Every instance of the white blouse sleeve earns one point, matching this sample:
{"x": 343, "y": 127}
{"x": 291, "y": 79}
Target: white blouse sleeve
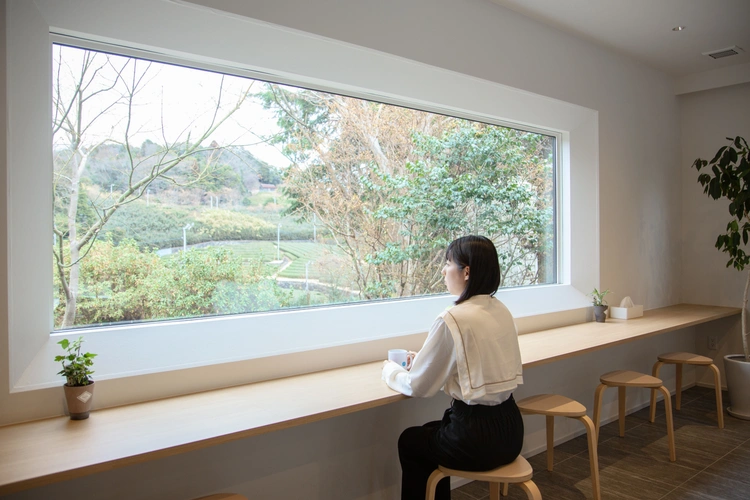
{"x": 431, "y": 368}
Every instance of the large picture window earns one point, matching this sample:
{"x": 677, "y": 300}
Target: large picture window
{"x": 181, "y": 192}
{"x": 158, "y": 268}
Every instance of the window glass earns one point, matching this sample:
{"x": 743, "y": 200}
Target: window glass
{"x": 180, "y": 193}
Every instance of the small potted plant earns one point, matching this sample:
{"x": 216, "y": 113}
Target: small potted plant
{"x": 79, "y": 386}
{"x": 600, "y": 305}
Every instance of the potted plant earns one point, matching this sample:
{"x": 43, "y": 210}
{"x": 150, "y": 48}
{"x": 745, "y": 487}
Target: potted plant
{"x": 79, "y": 386}
{"x": 729, "y": 177}
{"x": 600, "y": 305}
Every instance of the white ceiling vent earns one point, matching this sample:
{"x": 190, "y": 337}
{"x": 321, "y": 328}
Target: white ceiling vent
{"x": 729, "y": 51}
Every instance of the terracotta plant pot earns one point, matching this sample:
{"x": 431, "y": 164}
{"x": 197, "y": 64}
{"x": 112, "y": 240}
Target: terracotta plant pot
{"x": 600, "y": 313}
{"x": 79, "y": 400}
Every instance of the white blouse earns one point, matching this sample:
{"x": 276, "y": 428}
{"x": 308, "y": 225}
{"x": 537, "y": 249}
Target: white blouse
{"x": 482, "y": 322}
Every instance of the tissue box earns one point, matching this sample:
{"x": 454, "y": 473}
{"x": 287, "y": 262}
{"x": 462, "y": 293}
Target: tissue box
{"x": 625, "y": 312}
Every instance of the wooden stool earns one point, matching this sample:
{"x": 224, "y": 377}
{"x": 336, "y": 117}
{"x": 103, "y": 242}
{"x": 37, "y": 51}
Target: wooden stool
{"x": 519, "y": 472}
{"x": 623, "y": 379}
{"x": 553, "y": 405}
{"x": 223, "y": 496}
{"x": 686, "y": 358}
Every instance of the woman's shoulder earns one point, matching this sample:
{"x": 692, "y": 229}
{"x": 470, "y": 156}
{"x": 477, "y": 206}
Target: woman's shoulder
{"x": 481, "y": 304}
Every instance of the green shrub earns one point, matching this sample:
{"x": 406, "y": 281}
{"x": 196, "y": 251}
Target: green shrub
{"x": 152, "y": 225}
{"x": 124, "y": 283}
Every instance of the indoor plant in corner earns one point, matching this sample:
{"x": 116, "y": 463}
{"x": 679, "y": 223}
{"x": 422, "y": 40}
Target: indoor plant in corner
{"x": 600, "y": 307}
{"x": 79, "y": 387}
{"x": 729, "y": 178}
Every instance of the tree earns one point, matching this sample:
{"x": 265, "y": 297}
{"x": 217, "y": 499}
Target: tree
{"x": 730, "y": 179}
{"x": 393, "y": 186}
{"x": 90, "y": 88}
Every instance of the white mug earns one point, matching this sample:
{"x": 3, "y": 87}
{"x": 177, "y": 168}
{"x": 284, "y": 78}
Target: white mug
{"x": 400, "y": 357}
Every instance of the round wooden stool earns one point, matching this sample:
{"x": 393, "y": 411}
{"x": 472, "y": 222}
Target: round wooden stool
{"x": 554, "y": 405}
{"x": 518, "y": 472}
{"x": 223, "y": 496}
{"x": 686, "y": 358}
{"x": 623, "y": 379}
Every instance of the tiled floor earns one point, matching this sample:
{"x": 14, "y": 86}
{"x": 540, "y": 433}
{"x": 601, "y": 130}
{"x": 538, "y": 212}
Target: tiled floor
{"x": 711, "y": 463}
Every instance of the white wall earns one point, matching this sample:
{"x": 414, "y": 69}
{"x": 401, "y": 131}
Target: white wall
{"x": 707, "y": 118}
{"x": 354, "y": 456}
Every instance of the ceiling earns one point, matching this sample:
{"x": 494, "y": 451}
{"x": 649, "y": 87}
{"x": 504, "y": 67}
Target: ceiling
{"x": 642, "y": 29}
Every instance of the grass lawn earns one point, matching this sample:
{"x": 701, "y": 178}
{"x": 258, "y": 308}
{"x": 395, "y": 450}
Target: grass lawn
{"x": 263, "y": 250}
{"x": 299, "y": 252}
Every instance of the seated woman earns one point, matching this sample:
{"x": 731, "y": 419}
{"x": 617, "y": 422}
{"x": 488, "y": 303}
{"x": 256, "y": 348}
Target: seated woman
{"x": 472, "y": 353}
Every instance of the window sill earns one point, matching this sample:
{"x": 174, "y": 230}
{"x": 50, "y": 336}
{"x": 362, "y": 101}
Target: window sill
{"x": 47, "y": 451}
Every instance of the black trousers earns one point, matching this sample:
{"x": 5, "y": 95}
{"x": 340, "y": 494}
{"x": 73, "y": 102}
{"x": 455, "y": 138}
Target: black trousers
{"x": 469, "y": 437}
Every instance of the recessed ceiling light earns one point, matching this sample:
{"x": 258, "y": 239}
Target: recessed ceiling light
{"x": 678, "y": 28}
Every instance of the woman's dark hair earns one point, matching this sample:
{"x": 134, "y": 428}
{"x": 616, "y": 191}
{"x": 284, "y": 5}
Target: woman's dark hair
{"x": 480, "y": 255}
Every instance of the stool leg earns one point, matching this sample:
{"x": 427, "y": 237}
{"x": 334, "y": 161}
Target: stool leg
{"x": 598, "y": 407}
{"x": 494, "y": 491}
{"x": 593, "y": 455}
{"x": 550, "y": 442}
{"x": 670, "y": 425}
{"x": 717, "y": 388}
{"x": 678, "y": 384}
{"x": 621, "y": 409}
{"x": 432, "y": 483}
{"x": 505, "y": 489}
{"x": 655, "y": 373}
{"x": 531, "y": 490}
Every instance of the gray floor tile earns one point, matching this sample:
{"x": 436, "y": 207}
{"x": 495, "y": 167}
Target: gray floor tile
{"x": 477, "y": 489}
{"x": 633, "y": 461}
{"x": 710, "y": 487}
{"x": 458, "y": 494}
{"x": 735, "y": 465}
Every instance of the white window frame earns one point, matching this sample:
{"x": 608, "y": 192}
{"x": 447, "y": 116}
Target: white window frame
{"x": 245, "y": 348}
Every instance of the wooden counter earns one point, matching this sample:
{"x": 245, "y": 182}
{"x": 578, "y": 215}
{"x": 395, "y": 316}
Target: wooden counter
{"x": 57, "y": 449}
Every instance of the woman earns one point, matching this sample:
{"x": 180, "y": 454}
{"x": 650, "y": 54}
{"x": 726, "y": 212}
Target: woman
{"x": 472, "y": 353}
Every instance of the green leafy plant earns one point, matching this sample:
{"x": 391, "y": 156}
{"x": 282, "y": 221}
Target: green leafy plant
{"x": 599, "y": 297}
{"x": 730, "y": 179}
{"x": 76, "y": 366}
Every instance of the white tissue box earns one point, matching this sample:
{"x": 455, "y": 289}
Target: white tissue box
{"x": 625, "y": 312}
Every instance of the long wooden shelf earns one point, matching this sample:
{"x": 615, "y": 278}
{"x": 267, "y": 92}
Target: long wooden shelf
{"x": 56, "y": 449}
{"x": 559, "y": 343}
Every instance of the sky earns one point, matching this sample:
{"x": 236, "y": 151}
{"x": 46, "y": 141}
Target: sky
{"x": 172, "y": 101}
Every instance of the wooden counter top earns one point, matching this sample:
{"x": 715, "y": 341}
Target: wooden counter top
{"x": 57, "y": 449}
{"x": 559, "y": 343}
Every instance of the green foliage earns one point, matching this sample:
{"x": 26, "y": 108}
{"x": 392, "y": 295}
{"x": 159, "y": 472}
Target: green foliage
{"x": 219, "y": 225}
{"x": 125, "y": 283}
{"x": 729, "y": 178}
{"x": 298, "y": 110}
{"x": 469, "y": 181}
{"x": 599, "y": 297}
{"x": 76, "y": 367}
{"x": 152, "y": 225}
{"x": 113, "y": 281}
{"x": 268, "y": 174}
{"x": 218, "y": 177}
{"x": 160, "y": 226}
{"x": 394, "y": 186}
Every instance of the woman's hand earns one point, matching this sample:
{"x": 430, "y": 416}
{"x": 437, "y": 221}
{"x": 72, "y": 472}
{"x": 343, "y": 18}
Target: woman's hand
{"x": 410, "y": 359}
